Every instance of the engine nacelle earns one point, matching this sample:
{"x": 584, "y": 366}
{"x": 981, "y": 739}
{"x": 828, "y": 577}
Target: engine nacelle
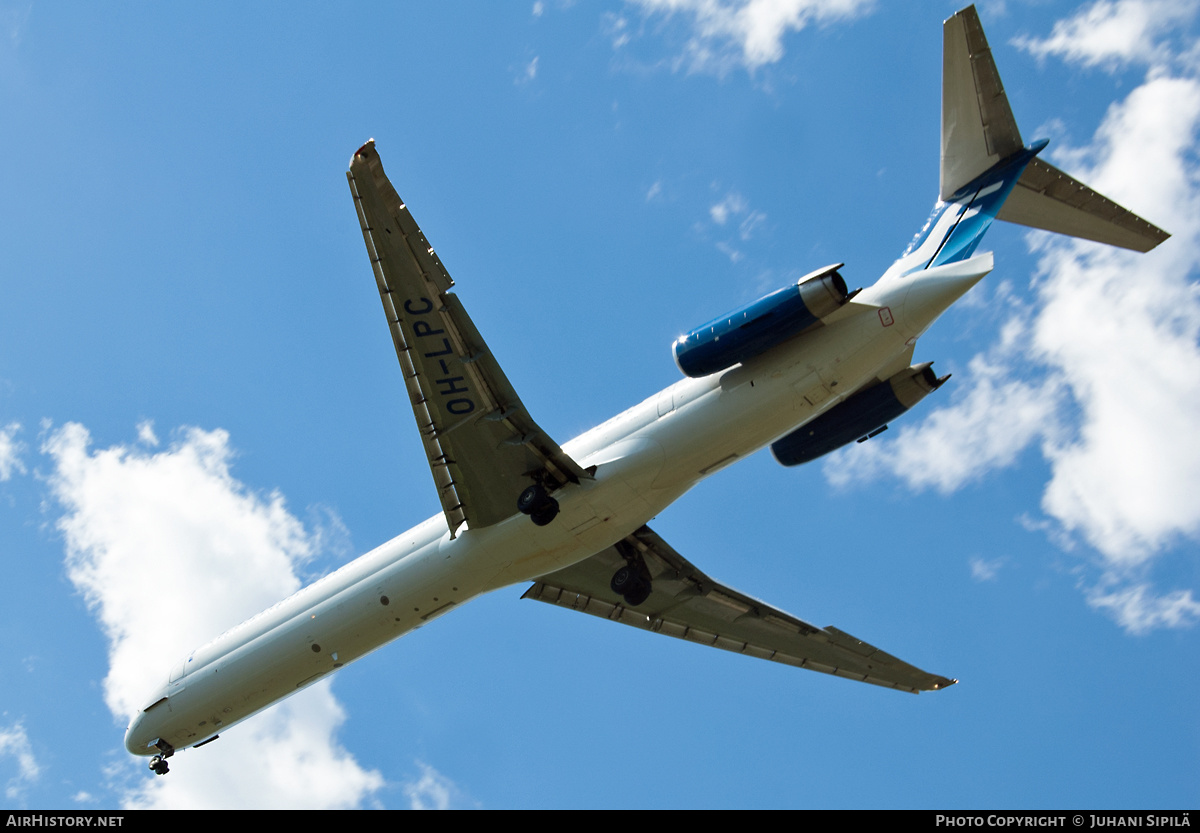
{"x": 863, "y": 415}
{"x": 759, "y": 326}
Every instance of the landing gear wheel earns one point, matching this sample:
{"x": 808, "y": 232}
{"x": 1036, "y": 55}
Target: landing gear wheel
{"x": 546, "y": 514}
{"x": 639, "y": 594}
{"x": 627, "y": 583}
{"x": 531, "y": 499}
{"x": 158, "y": 765}
{"x": 539, "y": 506}
{"x": 622, "y": 580}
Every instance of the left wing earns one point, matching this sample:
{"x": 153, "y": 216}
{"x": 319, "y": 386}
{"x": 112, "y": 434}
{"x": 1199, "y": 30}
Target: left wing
{"x": 687, "y": 604}
{"x": 482, "y": 445}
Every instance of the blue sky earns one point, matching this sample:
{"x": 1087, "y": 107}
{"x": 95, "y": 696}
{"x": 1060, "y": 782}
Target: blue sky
{"x": 200, "y": 407}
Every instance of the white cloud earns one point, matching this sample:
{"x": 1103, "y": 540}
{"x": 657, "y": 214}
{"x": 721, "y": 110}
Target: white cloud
{"x": 730, "y": 205}
{"x": 146, "y": 434}
{"x": 434, "y": 791}
{"x": 169, "y": 549}
{"x": 983, "y": 569}
{"x": 725, "y": 33}
{"x": 10, "y": 450}
{"x": 529, "y": 73}
{"x": 749, "y": 223}
{"x": 733, "y": 254}
{"x": 1105, "y": 375}
{"x": 617, "y": 28}
{"x": 1113, "y": 33}
{"x": 733, "y": 206}
{"x": 983, "y": 429}
{"x": 1139, "y": 610}
{"x": 14, "y": 742}
{"x": 1123, "y": 331}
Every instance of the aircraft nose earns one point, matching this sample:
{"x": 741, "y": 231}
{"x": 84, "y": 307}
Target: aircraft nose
{"x": 132, "y": 733}
{"x": 139, "y": 735}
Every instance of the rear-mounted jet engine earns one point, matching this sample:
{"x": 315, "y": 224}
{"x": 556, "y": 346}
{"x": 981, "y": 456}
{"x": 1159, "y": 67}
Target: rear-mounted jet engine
{"x": 861, "y": 416}
{"x": 759, "y": 326}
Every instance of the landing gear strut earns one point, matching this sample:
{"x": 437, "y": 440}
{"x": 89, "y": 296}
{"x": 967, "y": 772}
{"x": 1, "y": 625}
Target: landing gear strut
{"x": 158, "y": 764}
{"x": 539, "y": 506}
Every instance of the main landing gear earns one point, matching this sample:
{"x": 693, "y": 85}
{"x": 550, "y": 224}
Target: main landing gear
{"x": 631, "y": 582}
{"x": 158, "y": 764}
{"x": 627, "y": 583}
{"x": 538, "y": 505}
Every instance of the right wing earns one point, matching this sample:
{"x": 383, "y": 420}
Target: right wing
{"x": 687, "y": 604}
{"x": 483, "y": 447}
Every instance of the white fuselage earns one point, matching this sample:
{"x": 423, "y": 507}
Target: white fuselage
{"x": 645, "y": 459}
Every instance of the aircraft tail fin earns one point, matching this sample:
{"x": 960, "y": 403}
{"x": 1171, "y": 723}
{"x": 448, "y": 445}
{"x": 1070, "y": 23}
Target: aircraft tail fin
{"x": 978, "y": 128}
{"x": 980, "y": 134}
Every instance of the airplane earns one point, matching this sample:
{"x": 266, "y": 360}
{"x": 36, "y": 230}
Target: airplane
{"x": 804, "y": 370}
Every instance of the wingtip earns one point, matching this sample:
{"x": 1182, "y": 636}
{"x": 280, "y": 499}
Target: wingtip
{"x": 963, "y": 12}
{"x": 364, "y": 151}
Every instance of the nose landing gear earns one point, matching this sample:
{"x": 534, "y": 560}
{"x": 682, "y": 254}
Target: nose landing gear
{"x": 158, "y": 764}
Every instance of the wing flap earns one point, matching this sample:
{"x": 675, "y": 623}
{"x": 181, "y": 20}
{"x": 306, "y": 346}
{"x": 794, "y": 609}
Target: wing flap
{"x": 687, "y": 604}
{"x": 482, "y": 446}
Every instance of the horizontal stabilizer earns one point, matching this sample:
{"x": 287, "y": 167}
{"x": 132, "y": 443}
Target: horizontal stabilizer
{"x": 1046, "y": 198}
